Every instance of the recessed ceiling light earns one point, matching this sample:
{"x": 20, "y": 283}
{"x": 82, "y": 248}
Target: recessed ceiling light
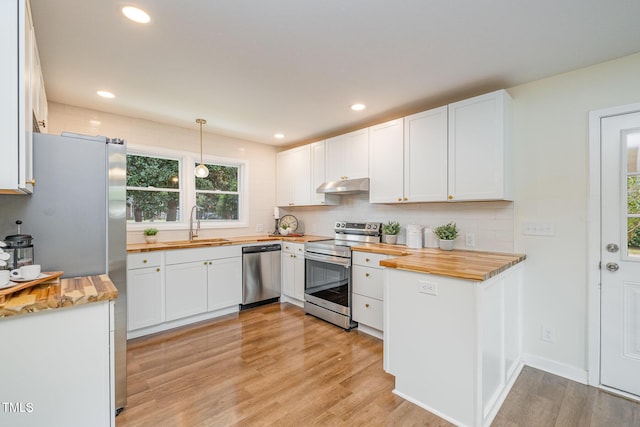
{"x": 278, "y": 135}
{"x": 136, "y": 15}
{"x": 105, "y": 94}
{"x": 358, "y": 107}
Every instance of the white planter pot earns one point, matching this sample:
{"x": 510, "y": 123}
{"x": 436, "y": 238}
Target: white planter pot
{"x": 391, "y": 239}
{"x": 446, "y": 245}
{"x": 151, "y": 239}
{"x": 284, "y": 232}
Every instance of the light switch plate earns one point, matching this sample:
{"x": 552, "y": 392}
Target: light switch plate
{"x": 538, "y": 229}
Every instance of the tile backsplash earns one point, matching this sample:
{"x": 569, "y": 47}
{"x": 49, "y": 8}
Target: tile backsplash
{"x": 492, "y": 223}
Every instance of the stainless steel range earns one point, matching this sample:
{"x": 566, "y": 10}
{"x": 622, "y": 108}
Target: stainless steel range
{"x": 327, "y": 289}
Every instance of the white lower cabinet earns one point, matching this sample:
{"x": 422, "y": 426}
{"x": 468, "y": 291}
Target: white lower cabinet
{"x": 186, "y": 289}
{"x": 293, "y": 272}
{"x": 454, "y": 345}
{"x": 172, "y": 288}
{"x": 367, "y": 292}
{"x": 145, "y": 290}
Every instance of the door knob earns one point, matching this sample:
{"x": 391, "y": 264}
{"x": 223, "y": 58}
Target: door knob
{"x": 612, "y": 266}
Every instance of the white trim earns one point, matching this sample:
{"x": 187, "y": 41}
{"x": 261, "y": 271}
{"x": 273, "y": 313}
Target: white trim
{"x": 556, "y": 368}
{"x": 620, "y": 393}
{"x": 187, "y": 161}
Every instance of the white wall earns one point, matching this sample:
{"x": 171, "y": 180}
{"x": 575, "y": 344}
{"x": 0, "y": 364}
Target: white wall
{"x": 261, "y": 158}
{"x": 551, "y": 149}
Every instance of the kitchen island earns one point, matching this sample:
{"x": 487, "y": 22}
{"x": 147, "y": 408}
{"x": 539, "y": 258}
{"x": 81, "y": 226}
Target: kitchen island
{"x": 453, "y": 330}
{"x": 57, "y": 355}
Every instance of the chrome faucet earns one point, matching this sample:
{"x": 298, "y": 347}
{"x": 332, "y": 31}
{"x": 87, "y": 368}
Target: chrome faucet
{"x": 193, "y": 235}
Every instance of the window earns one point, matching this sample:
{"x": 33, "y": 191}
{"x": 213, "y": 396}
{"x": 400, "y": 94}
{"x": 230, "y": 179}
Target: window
{"x": 218, "y": 194}
{"x": 153, "y": 189}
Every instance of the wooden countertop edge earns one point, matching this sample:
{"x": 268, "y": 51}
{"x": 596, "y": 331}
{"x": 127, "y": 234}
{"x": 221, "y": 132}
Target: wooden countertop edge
{"x": 423, "y": 260}
{"x": 67, "y": 292}
{"x": 163, "y": 246}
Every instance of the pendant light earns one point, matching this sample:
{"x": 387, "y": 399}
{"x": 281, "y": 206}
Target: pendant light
{"x": 201, "y": 170}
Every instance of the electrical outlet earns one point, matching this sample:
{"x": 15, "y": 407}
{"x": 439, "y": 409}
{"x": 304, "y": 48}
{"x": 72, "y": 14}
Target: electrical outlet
{"x": 259, "y": 228}
{"x": 470, "y": 240}
{"x": 548, "y": 334}
{"x": 427, "y": 288}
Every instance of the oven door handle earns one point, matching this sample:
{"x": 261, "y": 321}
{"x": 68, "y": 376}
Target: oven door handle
{"x": 346, "y": 263}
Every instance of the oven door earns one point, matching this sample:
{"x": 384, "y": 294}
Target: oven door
{"x": 328, "y": 282}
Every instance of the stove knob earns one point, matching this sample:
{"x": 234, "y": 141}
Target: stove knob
{"x": 368, "y": 226}
{"x": 374, "y": 226}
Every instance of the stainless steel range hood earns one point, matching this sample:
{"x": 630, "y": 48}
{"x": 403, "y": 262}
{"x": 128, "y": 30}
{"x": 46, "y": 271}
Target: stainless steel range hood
{"x": 345, "y": 187}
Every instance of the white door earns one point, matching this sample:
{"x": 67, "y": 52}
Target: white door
{"x": 620, "y": 253}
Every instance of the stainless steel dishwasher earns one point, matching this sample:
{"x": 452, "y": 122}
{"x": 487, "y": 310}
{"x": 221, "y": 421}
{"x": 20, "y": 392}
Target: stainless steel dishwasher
{"x": 260, "y": 275}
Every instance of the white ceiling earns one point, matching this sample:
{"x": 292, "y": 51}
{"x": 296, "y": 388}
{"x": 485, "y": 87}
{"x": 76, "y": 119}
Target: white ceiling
{"x": 256, "y": 67}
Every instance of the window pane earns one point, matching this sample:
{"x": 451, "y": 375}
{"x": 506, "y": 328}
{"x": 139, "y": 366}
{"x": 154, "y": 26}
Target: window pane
{"x": 633, "y": 154}
{"x": 633, "y": 236}
{"x": 217, "y": 206}
{"x": 221, "y": 178}
{"x": 158, "y": 206}
{"x": 633, "y": 195}
{"x": 143, "y": 171}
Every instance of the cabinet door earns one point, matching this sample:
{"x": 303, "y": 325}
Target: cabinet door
{"x": 293, "y": 177}
{"x": 301, "y": 180}
{"x": 284, "y": 178}
{"x": 298, "y": 268}
{"x": 386, "y": 160}
{"x": 348, "y": 156}
{"x": 225, "y": 283}
{"x": 288, "y": 274}
{"x": 425, "y": 156}
{"x": 144, "y": 298}
{"x": 477, "y": 147}
{"x": 186, "y": 289}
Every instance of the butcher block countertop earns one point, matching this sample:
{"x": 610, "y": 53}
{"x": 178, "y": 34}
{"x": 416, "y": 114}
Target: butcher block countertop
{"x": 199, "y": 243}
{"x": 59, "y": 293}
{"x": 470, "y": 265}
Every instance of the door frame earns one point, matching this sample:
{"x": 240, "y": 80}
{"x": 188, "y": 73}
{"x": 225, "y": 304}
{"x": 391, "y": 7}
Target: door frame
{"x": 594, "y": 219}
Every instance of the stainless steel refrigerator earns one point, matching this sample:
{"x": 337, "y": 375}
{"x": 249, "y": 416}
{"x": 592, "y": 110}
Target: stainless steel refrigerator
{"x": 76, "y": 216}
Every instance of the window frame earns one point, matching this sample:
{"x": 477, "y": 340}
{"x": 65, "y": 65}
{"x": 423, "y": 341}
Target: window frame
{"x": 187, "y": 190}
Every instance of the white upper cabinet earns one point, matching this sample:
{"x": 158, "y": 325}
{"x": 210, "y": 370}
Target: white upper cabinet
{"x": 386, "y": 162}
{"x": 348, "y": 156}
{"x": 19, "y": 84}
{"x": 319, "y": 176}
{"x": 425, "y": 156}
{"x": 293, "y": 177}
{"x": 457, "y": 152}
{"x": 479, "y": 148}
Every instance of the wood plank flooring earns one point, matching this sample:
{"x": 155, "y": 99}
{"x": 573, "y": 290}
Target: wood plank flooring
{"x": 275, "y": 366}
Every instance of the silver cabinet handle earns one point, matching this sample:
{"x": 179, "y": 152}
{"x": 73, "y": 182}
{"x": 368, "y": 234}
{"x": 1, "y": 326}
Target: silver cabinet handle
{"x": 612, "y": 266}
{"x": 612, "y": 247}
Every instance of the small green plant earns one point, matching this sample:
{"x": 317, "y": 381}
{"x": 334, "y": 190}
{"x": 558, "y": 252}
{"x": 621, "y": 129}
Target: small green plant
{"x": 391, "y": 228}
{"x": 447, "y": 231}
{"x": 284, "y": 226}
{"x": 150, "y": 231}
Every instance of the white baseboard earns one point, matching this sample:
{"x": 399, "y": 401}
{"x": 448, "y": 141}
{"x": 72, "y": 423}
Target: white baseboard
{"x": 557, "y": 368}
{"x": 428, "y": 408}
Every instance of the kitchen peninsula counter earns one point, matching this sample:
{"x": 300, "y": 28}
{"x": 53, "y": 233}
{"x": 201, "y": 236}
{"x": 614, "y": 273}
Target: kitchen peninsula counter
{"x": 59, "y": 293}
{"x": 196, "y": 243}
{"x": 470, "y": 265}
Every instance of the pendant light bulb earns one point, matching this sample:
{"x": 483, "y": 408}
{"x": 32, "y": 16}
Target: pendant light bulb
{"x": 201, "y": 170}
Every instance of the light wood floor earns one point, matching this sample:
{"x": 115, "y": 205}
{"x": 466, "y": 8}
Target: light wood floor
{"x": 275, "y": 366}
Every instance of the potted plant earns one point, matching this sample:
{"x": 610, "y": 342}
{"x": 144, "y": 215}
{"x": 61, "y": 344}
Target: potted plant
{"x": 150, "y": 235}
{"x": 284, "y": 229}
{"x": 447, "y": 234}
{"x": 390, "y": 232}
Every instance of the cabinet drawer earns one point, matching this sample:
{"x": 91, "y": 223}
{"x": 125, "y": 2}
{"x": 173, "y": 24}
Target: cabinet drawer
{"x": 367, "y": 311}
{"x": 144, "y": 259}
{"x": 367, "y": 259}
{"x": 296, "y": 248}
{"x": 368, "y": 281}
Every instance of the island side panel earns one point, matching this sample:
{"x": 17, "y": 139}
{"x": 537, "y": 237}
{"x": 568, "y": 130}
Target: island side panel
{"x": 431, "y": 342}
{"x": 56, "y": 367}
